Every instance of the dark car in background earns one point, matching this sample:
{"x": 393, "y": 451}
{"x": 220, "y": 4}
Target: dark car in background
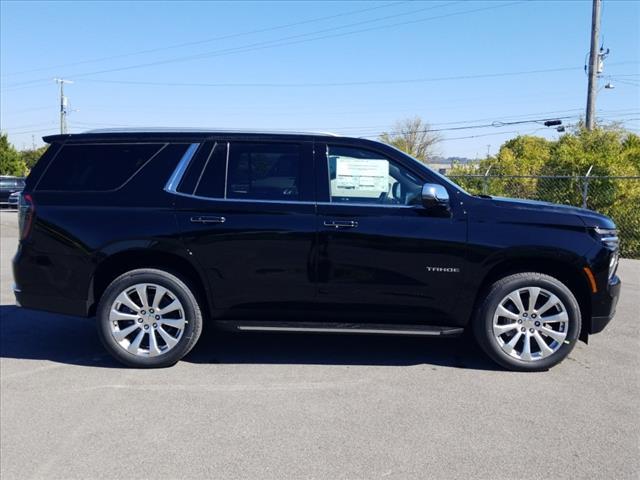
{"x": 14, "y": 199}
{"x": 156, "y": 233}
{"x": 8, "y": 186}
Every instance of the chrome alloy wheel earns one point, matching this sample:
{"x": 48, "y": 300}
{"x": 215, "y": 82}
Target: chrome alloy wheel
{"x": 530, "y": 324}
{"x": 147, "y": 319}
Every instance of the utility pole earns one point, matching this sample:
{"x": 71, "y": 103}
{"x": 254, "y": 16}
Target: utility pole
{"x": 594, "y": 64}
{"x": 63, "y": 104}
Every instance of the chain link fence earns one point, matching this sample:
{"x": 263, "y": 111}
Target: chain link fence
{"x": 617, "y": 197}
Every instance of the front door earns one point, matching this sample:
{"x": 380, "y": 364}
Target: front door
{"x": 382, "y": 257}
{"x": 246, "y": 213}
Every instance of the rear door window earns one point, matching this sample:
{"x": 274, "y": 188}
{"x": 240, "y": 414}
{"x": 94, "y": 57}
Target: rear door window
{"x": 96, "y": 167}
{"x": 211, "y": 181}
{"x": 264, "y": 171}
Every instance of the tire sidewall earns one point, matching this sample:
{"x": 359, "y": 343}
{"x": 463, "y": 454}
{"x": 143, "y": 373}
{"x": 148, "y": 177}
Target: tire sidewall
{"x": 178, "y": 288}
{"x": 507, "y": 285}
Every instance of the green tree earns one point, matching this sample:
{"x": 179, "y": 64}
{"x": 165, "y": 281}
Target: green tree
{"x": 607, "y": 150}
{"x": 10, "y": 161}
{"x": 521, "y": 156}
{"x": 560, "y": 167}
{"x": 631, "y": 151}
{"x": 31, "y": 156}
{"x": 611, "y": 152}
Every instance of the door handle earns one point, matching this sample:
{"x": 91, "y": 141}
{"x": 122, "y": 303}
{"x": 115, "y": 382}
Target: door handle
{"x": 208, "y": 219}
{"x": 341, "y": 223}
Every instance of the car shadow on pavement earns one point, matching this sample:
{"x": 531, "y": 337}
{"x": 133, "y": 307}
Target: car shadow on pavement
{"x": 34, "y": 335}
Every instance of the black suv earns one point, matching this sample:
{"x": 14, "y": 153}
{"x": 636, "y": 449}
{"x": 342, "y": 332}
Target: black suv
{"x": 156, "y": 232}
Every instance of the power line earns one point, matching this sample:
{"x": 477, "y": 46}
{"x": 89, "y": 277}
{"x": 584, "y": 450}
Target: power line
{"x": 341, "y": 84}
{"x": 337, "y": 84}
{"x": 211, "y": 39}
{"x": 628, "y": 82}
{"x": 499, "y": 124}
{"x": 285, "y": 40}
{"x": 14, "y": 112}
{"x": 522, "y": 118}
{"x": 28, "y": 126}
{"x": 49, "y": 129}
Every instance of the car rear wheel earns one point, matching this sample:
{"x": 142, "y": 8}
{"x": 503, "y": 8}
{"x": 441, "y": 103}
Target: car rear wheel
{"x": 528, "y": 322}
{"x": 148, "y": 318}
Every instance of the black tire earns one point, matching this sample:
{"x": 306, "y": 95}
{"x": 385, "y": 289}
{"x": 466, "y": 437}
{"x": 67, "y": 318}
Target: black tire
{"x": 177, "y": 287}
{"x": 483, "y": 322}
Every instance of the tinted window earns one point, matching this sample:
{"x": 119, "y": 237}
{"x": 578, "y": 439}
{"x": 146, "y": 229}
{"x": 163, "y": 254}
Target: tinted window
{"x": 96, "y": 167}
{"x": 264, "y": 171}
{"x": 211, "y": 181}
{"x": 194, "y": 170}
{"x": 364, "y": 176}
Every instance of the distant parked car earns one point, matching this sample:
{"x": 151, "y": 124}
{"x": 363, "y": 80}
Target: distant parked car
{"x": 9, "y": 185}
{"x": 14, "y": 199}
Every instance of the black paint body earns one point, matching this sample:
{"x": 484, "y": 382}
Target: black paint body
{"x": 277, "y": 261}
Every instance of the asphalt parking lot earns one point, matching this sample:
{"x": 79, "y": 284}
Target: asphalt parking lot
{"x": 311, "y": 407}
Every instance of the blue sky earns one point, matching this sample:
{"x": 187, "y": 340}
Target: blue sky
{"x": 349, "y": 67}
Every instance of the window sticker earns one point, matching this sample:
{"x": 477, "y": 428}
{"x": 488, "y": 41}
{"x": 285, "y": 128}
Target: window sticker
{"x": 360, "y": 177}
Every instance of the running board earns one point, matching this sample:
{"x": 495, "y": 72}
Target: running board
{"x": 323, "y": 327}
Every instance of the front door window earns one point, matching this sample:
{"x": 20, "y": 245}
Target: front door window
{"x": 364, "y": 176}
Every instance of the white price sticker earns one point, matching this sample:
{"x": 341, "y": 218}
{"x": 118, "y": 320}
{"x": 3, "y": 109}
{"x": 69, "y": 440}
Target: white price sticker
{"x": 358, "y": 177}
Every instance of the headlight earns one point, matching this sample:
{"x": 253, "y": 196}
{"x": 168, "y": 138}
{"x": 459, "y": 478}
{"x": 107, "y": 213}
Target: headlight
{"x": 608, "y": 236}
{"x": 613, "y": 263}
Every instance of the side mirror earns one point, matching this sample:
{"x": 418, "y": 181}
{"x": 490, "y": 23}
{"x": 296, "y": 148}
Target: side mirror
{"x": 434, "y": 196}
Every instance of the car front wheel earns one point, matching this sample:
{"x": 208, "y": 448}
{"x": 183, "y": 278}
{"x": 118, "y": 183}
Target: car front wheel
{"x": 528, "y": 322}
{"x": 148, "y": 318}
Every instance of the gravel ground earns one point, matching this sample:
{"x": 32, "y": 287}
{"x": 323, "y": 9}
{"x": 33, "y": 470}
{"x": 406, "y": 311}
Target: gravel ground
{"x": 276, "y": 406}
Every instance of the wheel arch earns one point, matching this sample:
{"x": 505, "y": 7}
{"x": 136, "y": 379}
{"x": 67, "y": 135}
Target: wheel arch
{"x": 565, "y": 271}
{"x": 121, "y": 262}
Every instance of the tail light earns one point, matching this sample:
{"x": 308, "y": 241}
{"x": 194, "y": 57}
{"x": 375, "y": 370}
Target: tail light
{"x": 26, "y": 212}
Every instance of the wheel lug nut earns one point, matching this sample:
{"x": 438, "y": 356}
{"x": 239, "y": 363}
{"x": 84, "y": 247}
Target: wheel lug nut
{"x": 146, "y": 327}
{"x": 537, "y": 324}
{"x": 525, "y": 314}
{"x": 142, "y": 312}
{"x": 533, "y": 315}
{"x": 139, "y": 320}
{"x": 157, "y": 317}
{"x": 523, "y": 329}
{"x": 155, "y": 325}
{"x": 151, "y": 310}
{"x": 520, "y": 321}
{"x": 531, "y": 330}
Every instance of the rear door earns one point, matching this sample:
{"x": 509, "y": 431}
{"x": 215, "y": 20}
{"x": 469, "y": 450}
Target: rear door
{"x": 246, "y": 211}
{"x": 381, "y": 256}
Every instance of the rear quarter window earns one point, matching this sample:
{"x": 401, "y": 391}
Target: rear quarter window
{"x": 96, "y": 167}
